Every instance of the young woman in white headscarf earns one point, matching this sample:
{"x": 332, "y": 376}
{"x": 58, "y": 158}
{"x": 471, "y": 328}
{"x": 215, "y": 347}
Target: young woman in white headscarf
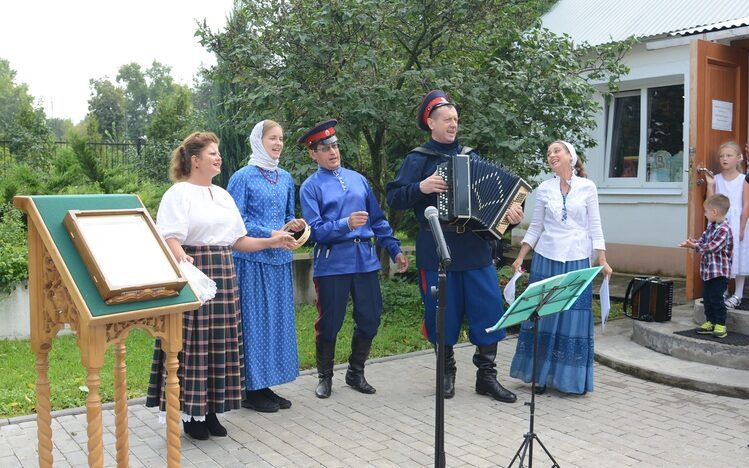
{"x": 566, "y": 225}
{"x": 264, "y": 194}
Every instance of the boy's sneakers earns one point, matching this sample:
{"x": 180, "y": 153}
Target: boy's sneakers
{"x": 706, "y": 328}
{"x": 720, "y": 331}
{"x": 732, "y": 302}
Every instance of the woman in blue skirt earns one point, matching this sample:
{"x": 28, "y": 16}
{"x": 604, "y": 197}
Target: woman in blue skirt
{"x": 264, "y": 194}
{"x": 566, "y": 225}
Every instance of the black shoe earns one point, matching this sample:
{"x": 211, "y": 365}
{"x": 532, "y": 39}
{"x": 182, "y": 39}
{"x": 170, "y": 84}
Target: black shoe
{"x": 214, "y": 427}
{"x": 198, "y": 430}
{"x": 486, "y": 375}
{"x": 360, "y": 347}
{"x": 448, "y": 385}
{"x": 540, "y": 389}
{"x": 489, "y": 386}
{"x": 324, "y": 387}
{"x": 448, "y": 380}
{"x": 283, "y": 403}
{"x": 256, "y": 400}
{"x": 324, "y": 354}
{"x": 357, "y": 381}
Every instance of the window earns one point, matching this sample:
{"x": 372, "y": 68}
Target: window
{"x": 648, "y": 145}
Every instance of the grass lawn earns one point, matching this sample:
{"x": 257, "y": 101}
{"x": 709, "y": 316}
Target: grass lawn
{"x": 399, "y": 333}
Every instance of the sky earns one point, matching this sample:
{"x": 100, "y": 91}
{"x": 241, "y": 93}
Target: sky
{"x": 56, "y": 46}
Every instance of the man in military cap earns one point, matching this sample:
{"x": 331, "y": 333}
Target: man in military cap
{"x": 472, "y": 284}
{"x": 345, "y": 218}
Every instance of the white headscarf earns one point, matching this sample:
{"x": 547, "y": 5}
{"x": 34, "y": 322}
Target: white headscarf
{"x": 573, "y": 153}
{"x": 259, "y": 156}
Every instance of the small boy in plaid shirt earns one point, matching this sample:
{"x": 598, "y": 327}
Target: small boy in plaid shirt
{"x": 716, "y": 247}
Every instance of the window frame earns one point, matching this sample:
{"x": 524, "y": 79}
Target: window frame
{"x": 640, "y": 181}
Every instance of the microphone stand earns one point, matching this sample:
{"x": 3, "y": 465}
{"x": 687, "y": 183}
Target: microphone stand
{"x": 439, "y": 425}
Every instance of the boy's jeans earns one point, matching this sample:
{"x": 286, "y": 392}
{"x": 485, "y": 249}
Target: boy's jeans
{"x": 712, "y": 299}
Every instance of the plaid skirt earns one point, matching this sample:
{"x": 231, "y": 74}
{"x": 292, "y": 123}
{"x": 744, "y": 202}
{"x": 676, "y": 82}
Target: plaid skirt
{"x": 211, "y": 363}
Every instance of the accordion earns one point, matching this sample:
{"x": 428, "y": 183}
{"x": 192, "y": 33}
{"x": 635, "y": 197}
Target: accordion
{"x": 650, "y": 298}
{"x": 478, "y": 195}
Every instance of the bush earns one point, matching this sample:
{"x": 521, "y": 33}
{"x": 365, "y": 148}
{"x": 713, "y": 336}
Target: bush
{"x": 21, "y": 179}
{"x": 14, "y": 265}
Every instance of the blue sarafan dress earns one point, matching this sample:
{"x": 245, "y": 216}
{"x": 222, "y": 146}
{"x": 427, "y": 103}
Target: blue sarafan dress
{"x": 565, "y": 340}
{"x": 266, "y": 201}
{"x": 562, "y": 232}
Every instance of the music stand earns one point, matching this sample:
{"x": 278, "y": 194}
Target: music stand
{"x": 545, "y": 297}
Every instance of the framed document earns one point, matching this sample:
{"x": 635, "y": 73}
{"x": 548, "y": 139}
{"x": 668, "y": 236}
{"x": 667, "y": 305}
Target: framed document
{"x": 125, "y": 255}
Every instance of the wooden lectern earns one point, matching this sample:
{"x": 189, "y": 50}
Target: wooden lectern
{"x": 61, "y": 291}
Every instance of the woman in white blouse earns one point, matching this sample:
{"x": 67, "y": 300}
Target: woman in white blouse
{"x": 201, "y": 225}
{"x": 564, "y": 231}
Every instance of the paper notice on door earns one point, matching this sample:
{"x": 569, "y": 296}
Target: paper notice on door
{"x": 722, "y": 115}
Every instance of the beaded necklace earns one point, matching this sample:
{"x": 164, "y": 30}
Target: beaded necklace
{"x": 265, "y": 176}
{"x": 564, "y": 200}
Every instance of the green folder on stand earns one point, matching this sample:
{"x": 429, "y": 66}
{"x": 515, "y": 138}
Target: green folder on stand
{"x": 549, "y": 296}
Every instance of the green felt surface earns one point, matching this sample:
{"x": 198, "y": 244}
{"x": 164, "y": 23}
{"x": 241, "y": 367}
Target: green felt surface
{"x": 53, "y": 209}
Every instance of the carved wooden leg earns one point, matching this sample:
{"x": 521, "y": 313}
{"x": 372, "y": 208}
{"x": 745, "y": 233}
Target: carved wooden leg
{"x": 93, "y": 416}
{"x": 172, "y": 410}
{"x": 43, "y": 408}
{"x": 120, "y": 408}
{"x": 171, "y": 344}
{"x": 92, "y": 343}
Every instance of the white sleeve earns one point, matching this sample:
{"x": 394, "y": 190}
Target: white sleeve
{"x": 537, "y": 221}
{"x": 172, "y": 216}
{"x": 595, "y": 230}
{"x": 238, "y": 228}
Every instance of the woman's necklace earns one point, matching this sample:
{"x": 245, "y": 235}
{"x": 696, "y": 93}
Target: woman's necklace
{"x": 564, "y": 200}
{"x": 265, "y": 174}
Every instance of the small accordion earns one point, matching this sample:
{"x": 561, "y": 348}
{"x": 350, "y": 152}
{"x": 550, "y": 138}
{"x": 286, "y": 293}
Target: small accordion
{"x": 650, "y": 298}
{"x": 478, "y": 195}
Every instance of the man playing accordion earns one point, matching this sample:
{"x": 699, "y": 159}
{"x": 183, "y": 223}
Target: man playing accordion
{"x": 472, "y": 284}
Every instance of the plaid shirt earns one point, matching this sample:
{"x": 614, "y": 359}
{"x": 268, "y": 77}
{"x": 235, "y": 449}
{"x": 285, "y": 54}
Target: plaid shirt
{"x": 716, "y": 247}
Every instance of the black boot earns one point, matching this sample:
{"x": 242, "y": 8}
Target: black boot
{"x": 448, "y": 380}
{"x": 198, "y": 430}
{"x": 486, "y": 375}
{"x": 214, "y": 427}
{"x": 325, "y": 355}
{"x": 256, "y": 400}
{"x": 355, "y": 373}
{"x": 283, "y": 403}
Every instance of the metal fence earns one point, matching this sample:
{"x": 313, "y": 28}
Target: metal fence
{"x": 109, "y": 155}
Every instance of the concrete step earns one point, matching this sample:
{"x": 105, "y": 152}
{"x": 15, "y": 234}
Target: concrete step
{"x": 737, "y": 320}
{"x": 615, "y": 349}
{"x": 661, "y": 337}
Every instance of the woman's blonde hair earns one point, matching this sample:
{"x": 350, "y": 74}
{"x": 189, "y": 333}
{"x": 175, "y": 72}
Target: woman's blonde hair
{"x": 269, "y": 124}
{"x": 180, "y": 167}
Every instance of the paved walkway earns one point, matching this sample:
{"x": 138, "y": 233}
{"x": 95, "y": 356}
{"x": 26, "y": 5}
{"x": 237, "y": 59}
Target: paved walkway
{"x": 624, "y": 422}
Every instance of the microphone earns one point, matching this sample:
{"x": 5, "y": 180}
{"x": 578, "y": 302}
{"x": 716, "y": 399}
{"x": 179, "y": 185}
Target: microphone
{"x": 432, "y": 215}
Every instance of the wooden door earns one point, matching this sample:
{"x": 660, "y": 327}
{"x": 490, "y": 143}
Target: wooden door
{"x": 718, "y": 79}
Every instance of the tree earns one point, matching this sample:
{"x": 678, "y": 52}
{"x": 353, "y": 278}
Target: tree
{"x": 136, "y": 99}
{"x": 368, "y": 63}
{"x": 160, "y": 83}
{"x": 172, "y": 119}
{"x": 60, "y": 127}
{"x": 107, "y": 104}
{"x": 22, "y": 124}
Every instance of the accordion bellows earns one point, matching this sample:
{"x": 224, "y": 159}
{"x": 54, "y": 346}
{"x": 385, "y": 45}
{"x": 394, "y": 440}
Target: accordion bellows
{"x": 478, "y": 195}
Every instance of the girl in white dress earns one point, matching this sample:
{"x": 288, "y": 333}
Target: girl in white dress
{"x": 730, "y": 182}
